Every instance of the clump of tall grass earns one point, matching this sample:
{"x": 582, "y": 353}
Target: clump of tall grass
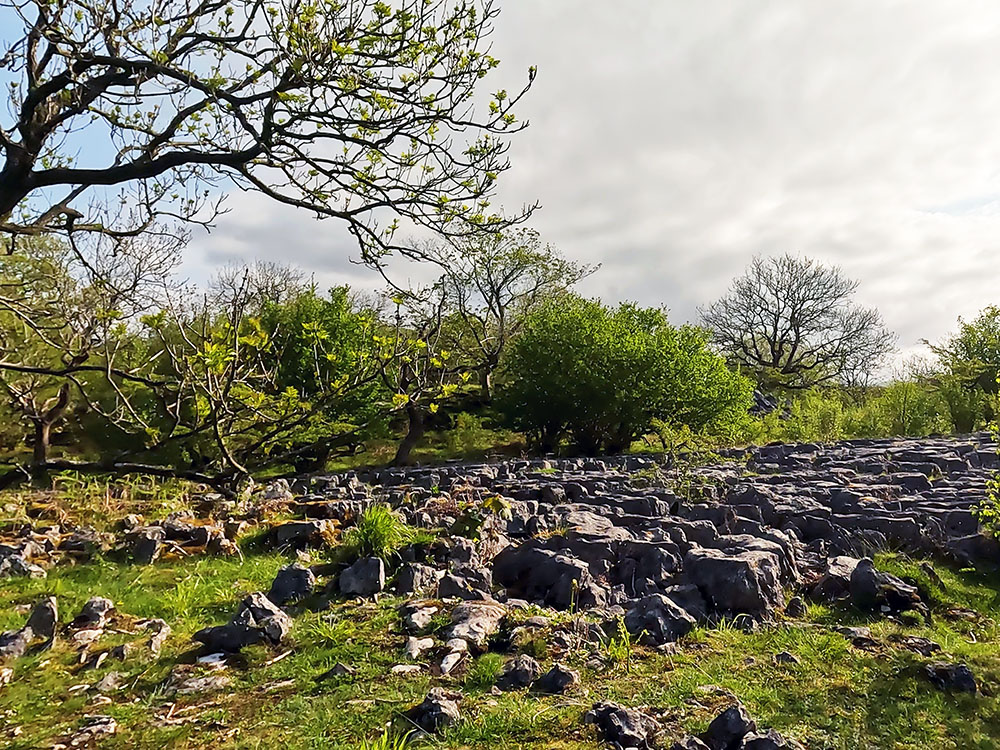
{"x": 378, "y": 533}
{"x": 387, "y": 741}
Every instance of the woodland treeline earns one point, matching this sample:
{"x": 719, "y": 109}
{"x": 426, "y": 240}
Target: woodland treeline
{"x": 126, "y": 127}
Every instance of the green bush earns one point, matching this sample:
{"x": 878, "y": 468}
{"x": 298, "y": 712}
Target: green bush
{"x": 968, "y": 405}
{"x": 817, "y": 415}
{"x": 968, "y": 370}
{"x": 814, "y": 415}
{"x": 974, "y": 351}
{"x": 830, "y": 414}
{"x": 600, "y": 375}
{"x": 324, "y": 349}
{"x": 467, "y": 435}
{"x": 900, "y": 408}
{"x": 988, "y": 510}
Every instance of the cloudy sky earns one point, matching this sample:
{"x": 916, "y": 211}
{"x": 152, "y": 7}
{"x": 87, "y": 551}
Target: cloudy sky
{"x": 670, "y": 141}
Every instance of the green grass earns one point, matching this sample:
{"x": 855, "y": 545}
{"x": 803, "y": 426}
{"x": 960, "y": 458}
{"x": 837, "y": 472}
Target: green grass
{"x": 97, "y": 502}
{"x": 387, "y": 741}
{"x": 379, "y": 533}
{"x": 436, "y": 447}
{"x": 484, "y": 672}
{"x": 836, "y": 697}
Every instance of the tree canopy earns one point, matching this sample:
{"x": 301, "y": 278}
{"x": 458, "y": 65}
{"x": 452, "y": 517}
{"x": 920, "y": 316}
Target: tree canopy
{"x": 490, "y": 283}
{"x": 793, "y": 323}
{"x": 973, "y": 352}
{"x": 365, "y": 111}
{"x": 601, "y": 375}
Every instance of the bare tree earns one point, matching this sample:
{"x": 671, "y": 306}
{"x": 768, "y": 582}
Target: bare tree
{"x": 260, "y": 283}
{"x": 793, "y": 323}
{"x": 362, "y": 111}
{"x": 490, "y": 282}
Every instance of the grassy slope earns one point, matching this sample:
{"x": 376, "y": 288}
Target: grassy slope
{"x": 836, "y": 697}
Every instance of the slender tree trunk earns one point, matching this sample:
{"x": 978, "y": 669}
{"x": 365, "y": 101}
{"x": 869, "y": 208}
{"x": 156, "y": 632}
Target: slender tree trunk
{"x": 40, "y": 445}
{"x": 486, "y": 384}
{"x": 43, "y": 433}
{"x": 40, "y": 450}
{"x": 416, "y": 427}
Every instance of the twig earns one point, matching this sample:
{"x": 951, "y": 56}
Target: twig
{"x": 278, "y": 658}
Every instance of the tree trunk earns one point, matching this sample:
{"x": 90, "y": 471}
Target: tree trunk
{"x": 43, "y": 433}
{"x": 486, "y": 384}
{"x": 40, "y": 445}
{"x": 40, "y": 450}
{"x": 416, "y": 426}
{"x": 13, "y": 178}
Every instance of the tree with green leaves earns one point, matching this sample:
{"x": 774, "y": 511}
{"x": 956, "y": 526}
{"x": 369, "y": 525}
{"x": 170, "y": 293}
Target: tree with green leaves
{"x": 238, "y": 392}
{"x": 123, "y": 115}
{"x": 601, "y": 375}
{"x": 422, "y": 373}
{"x": 973, "y": 352}
{"x": 66, "y": 322}
{"x": 491, "y": 282}
{"x": 216, "y": 386}
{"x": 968, "y": 368}
{"x": 319, "y": 343}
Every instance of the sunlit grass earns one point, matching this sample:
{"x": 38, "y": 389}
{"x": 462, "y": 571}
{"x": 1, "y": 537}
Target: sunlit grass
{"x": 836, "y": 696}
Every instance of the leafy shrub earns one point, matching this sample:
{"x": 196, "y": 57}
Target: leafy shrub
{"x": 378, "y": 533}
{"x": 900, "y": 408}
{"x": 825, "y": 415}
{"x": 974, "y": 351}
{"x": 467, "y": 435}
{"x": 967, "y": 405}
{"x": 472, "y": 520}
{"x": 816, "y": 415}
{"x": 324, "y": 349}
{"x": 968, "y": 370}
{"x": 599, "y": 376}
{"x": 988, "y": 510}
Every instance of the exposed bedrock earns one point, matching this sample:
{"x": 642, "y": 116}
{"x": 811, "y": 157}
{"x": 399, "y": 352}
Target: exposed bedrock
{"x": 746, "y": 535}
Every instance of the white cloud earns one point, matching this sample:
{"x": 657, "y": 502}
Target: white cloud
{"x": 670, "y": 141}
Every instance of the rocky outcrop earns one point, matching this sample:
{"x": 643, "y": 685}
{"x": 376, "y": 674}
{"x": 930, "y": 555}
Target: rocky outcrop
{"x": 292, "y": 583}
{"x": 437, "y": 711}
{"x": 475, "y": 622}
{"x": 257, "y": 620}
{"x": 537, "y": 574}
{"x": 364, "y": 578}
{"x": 736, "y": 581}
{"x": 872, "y": 589}
{"x": 518, "y": 673}
{"x": 656, "y": 619}
{"x": 623, "y": 728}
{"x": 592, "y": 534}
{"x": 557, "y": 680}
{"x": 734, "y": 729}
{"x": 952, "y": 677}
